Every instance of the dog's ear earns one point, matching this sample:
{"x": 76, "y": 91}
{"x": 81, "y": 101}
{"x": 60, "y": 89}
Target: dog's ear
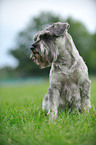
{"x": 59, "y": 28}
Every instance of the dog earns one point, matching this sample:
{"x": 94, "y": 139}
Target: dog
{"x": 69, "y": 84}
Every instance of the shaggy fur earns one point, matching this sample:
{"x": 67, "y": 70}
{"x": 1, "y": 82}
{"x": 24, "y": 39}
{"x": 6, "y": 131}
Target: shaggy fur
{"x": 69, "y": 83}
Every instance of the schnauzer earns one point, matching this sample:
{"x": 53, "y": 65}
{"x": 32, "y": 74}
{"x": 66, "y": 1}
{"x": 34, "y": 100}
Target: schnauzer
{"x": 69, "y": 83}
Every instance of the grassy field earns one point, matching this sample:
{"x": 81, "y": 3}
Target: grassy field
{"x": 22, "y": 121}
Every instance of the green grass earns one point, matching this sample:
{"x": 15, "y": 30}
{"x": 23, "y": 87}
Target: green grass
{"x": 22, "y": 121}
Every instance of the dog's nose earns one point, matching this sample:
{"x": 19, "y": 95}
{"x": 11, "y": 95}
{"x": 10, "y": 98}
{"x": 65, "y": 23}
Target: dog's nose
{"x": 32, "y": 47}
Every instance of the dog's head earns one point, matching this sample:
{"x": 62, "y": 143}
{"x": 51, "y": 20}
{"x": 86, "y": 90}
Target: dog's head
{"x": 44, "y": 49}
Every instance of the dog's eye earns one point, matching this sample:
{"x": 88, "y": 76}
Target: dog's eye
{"x": 45, "y": 36}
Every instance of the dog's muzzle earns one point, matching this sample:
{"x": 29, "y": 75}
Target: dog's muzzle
{"x": 35, "y": 50}
{"x": 34, "y": 47}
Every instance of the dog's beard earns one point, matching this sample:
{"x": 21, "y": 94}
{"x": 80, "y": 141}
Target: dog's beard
{"x": 42, "y": 55}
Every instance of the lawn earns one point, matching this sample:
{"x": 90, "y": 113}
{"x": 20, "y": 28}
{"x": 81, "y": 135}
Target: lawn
{"x": 22, "y": 121}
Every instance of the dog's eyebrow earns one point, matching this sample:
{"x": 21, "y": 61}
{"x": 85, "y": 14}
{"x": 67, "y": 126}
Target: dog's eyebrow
{"x": 36, "y": 38}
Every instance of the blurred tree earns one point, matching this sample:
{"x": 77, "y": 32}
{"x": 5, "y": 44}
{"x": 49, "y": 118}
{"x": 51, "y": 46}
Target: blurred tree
{"x": 85, "y": 42}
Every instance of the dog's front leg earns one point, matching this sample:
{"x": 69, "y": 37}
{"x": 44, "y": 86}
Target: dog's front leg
{"x": 53, "y": 100}
{"x": 54, "y": 97}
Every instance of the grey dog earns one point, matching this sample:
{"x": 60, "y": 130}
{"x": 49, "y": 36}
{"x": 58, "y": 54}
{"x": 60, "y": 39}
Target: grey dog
{"x": 69, "y": 85}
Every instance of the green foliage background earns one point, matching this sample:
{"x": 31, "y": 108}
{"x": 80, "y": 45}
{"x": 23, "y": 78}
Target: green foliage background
{"x": 84, "y": 41}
